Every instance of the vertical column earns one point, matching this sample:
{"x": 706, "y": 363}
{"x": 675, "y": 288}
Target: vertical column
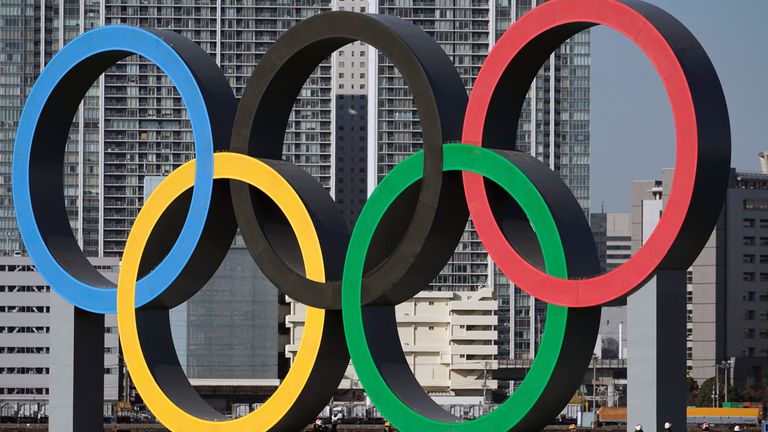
{"x": 656, "y": 373}
{"x": 77, "y": 368}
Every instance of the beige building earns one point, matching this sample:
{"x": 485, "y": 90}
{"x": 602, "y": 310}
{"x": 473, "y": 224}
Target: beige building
{"x": 449, "y": 339}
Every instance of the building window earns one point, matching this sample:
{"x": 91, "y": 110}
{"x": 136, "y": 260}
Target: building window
{"x": 749, "y": 315}
{"x": 755, "y": 204}
{"x": 748, "y": 276}
{"x": 24, "y": 350}
{"x": 23, "y": 391}
{"x": 748, "y": 241}
{"x": 24, "y": 370}
{"x": 749, "y": 258}
{"x": 749, "y": 223}
{"x": 25, "y": 309}
{"x": 15, "y": 329}
{"x": 763, "y": 259}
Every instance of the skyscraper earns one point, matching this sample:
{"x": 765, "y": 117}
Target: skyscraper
{"x": 133, "y": 123}
{"x": 553, "y": 126}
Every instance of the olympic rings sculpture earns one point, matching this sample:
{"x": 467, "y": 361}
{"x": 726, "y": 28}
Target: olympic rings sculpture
{"x": 407, "y": 230}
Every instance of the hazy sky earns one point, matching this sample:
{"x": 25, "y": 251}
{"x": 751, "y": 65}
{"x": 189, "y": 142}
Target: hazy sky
{"x": 632, "y": 130}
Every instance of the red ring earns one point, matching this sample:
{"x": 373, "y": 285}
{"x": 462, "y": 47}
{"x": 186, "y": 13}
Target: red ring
{"x": 637, "y": 270}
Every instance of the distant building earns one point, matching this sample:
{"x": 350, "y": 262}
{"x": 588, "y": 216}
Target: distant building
{"x": 25, "y": 338}
{"x": 727, "y": 290}
{"x": 449, "y": 340}
{"x": 613, "y": 237}
{"x": 763, "y": 156}
{"x": 228, "y": 333}
{"x": 231, "y": 324}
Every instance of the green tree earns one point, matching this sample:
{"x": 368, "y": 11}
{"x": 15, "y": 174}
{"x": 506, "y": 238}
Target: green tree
{"x": 704, "y": 397}
{"x": 693, "y": 391}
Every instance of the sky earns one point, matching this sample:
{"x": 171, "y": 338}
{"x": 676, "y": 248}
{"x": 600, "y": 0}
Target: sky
{"x": 632, "y": 128}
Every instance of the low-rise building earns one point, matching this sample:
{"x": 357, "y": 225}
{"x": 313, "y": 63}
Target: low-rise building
{"x": 25, "y": 338}
{"x": 449, "y": 340}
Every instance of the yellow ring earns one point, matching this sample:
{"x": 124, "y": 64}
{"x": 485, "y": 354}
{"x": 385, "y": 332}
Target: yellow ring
{"x": 256, "y": 173}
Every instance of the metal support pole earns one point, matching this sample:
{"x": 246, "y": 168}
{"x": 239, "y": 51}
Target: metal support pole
{"x": 727, "y": 367}
{"x": 594, "y": 385}
{"x": 717, "y": 385}
{"x": 77, "y": 368}
{"x": 485, "y": 386}
{"x": 621, "y": 340}
{"x": 656, "y": 373}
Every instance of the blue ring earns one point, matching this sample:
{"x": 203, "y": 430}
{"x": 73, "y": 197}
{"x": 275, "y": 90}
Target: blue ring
{"x": 114, "y": 38}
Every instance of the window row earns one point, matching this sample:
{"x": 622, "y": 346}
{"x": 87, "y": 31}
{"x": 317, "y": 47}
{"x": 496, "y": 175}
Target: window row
{"x": 23, "y": 391}
{"x": 17, "y": 268}
{"x": 752, "y": 241}
{"x": 24, "y": 329}
{"x": 24, "y": 350}
{"x": 25, "y": 288}
{"x": 25, "y": 309}
{"x": 24, "y": 371}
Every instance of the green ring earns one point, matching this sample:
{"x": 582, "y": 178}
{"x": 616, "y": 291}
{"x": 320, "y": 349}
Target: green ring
{"x": 456, "y": 157}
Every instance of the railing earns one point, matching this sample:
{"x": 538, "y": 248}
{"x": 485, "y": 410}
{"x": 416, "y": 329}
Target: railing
{"x": 600, "y": 363}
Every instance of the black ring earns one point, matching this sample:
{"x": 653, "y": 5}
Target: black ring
{"x": 413, "y": 242}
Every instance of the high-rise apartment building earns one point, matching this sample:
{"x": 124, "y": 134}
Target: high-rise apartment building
{"x": 133, "y": 123}
{"x": 350, "y": 66}
{"x": 554, "y": 126}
